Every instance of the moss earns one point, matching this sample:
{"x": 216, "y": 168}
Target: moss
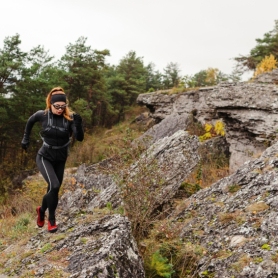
{"x": 207, "y": 274}
{"x": 234, "y": 188}
{"x": 46, "y": 247}
{"x": 266, "y": 247}
{"x": 83, "y": 240}
{"x": 258, "y": 260}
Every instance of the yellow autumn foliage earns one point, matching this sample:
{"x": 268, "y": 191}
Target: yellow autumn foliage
{"x": 208, "y": 127}
{"x": 269, "y": 63}
{"x": 213, "y": 130}
{"x": 211, "y": 78}
{"x": 219, "y": 128}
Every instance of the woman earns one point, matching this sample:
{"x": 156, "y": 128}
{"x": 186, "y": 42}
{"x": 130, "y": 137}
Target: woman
{"x": 58, "y": 124}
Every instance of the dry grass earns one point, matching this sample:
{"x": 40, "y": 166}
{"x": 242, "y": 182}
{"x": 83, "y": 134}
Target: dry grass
{"x": 105, "y": 143}
{"x": 257, "y": 207}
{"x": 275, "y": 257}
{"x": 227, "y": 217}
{"x": 210, "y": 174}
{"x": 15, "y": 228}
{"x": 241, "y": 263}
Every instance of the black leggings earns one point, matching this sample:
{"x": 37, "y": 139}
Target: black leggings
{"x": 53, "y": 173}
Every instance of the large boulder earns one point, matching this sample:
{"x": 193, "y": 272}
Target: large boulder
{"x": 235, "y": 221}
{"x": 93, "y": 186}
{"x": 174, "y": 158}
{"x": 165, "y": 128}
{"x": 96, "y": 185}
{"x": 104, "y": 248}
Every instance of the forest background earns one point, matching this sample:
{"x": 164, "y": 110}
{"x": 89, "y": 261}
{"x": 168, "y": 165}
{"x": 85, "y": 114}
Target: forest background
{"x": 101, "y": 93}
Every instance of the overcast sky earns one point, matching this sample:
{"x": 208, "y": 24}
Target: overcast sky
{"x": 195, "y": 34}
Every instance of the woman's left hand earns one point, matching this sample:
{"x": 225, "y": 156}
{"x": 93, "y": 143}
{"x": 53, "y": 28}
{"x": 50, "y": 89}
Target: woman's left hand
{"x": 77, "y": 119}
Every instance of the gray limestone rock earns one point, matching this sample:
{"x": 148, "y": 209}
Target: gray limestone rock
{"x": 167, "y": 127}
{"x": 175, "y": 157}
{"x": 248, "y": 110}
{"x": 239, "y": 216}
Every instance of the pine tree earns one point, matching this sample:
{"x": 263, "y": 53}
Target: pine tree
{"x": 84, "y": 73}
{"x": 266, "y": 46}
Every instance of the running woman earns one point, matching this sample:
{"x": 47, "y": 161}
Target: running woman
{"x": 58, "y": 123}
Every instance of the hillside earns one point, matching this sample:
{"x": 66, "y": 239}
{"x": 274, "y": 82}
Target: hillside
{"x": 166, "y": 204}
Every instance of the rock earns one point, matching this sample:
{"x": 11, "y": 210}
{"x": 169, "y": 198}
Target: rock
{"x": 83, "y": 246}
{"x": 244, "y": 225}
{"x": 166, "y": 127}
{"x": 175, "y": 157}
{"x": 248, "y": 110}
{"x": 94, "y": 187}
{"x": 109, "y": 251}
{"x": 237, "y": 240}
{"x": 268, "y": 77}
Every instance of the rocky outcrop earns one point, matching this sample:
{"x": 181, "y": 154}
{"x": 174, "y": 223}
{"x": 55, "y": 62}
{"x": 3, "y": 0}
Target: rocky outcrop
{"x": 84, "y": 246}
{"x": 88, "y": 243}
{"x": 236, "y": 221}
{"x": 167, "y": 127}
{"x": 233, "y": 222}
{"x": 268, "y": 77}
{"x": 94, "y": 187}
{"x": 103, "y": 248}
{"x": 175, "y": 157}
{"x": 94, "y": 244}
{"x": 248, "y": 110}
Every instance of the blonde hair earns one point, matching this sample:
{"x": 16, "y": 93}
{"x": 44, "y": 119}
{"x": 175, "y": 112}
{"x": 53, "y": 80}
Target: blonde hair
{"x": 55, "y": 91}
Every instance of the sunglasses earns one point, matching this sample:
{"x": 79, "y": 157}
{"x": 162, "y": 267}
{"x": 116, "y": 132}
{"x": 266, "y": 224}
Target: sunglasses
{"x": 58, "y": 107}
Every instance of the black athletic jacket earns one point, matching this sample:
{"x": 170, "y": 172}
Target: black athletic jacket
{"x": 55, "y": 135}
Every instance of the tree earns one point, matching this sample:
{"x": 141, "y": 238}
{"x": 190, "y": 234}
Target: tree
{"x": 33, "y": 85}
{"x": 11, "y": 61}
{"x": 125, "y": 82}
{"x": 235, "y": 76}
{"x": 26, "y": 95}
{"x": 132, "y": 70}
{"x": 80, "y": 106}
{"x": 119, "y": 98}
{"x": 209, "y": 77}
{"x": 153, "y": 78}
{"x": 200, "y": 78}
{"x": 171, "y": 76}
{"x": 266, "y": 46}
{"x": 84, "y": 72}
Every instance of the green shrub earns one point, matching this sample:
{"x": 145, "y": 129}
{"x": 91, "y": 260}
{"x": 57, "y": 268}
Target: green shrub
{"x": 160, "y": 267}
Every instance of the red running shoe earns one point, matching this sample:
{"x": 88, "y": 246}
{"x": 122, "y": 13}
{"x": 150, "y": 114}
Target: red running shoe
{"x": 52, "y": 227}
{"x": 40, "y": 218}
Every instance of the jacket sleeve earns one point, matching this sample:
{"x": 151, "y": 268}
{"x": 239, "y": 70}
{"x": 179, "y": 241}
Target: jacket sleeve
{"x": 78, "y": 131}
{"x": 30, "y": 123}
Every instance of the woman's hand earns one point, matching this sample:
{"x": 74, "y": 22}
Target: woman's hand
{"x": 25, "y": 144}
{"x": 77, "y": 119}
